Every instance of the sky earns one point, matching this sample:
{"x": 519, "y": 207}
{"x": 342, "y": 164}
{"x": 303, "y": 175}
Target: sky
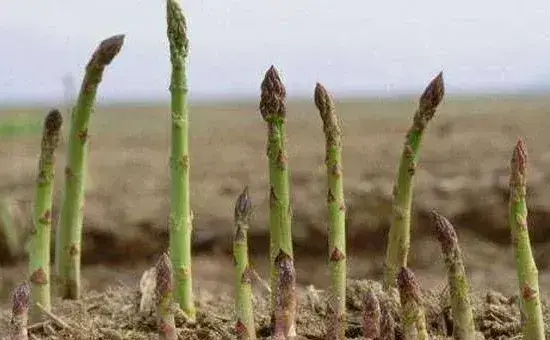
{"x": 354, "y": 47}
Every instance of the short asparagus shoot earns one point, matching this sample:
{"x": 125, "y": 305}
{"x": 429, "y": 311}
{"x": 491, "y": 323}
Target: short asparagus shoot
{"x": 21, "y": 300}
{"x": 527, "y": 272}
{"x": 69, "y": 235}
{"x": 164, "y": 298}
{"x": 399, "y": 235}
{"x": 463, "y": 318}
{"x": 285, "y": 311}
{"x": 337, "y": 213}
{"x": 413, "y": 316}
{"x": 181, "y": 223}
{"x": 244, "y": 326}
{"x": 273, "y": 111}
{"x": 39, "y": 252}
{"x": 371, "y": 316}
{"x": 387, "y": 322}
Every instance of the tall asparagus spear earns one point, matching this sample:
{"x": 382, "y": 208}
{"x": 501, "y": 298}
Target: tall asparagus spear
{"x": 337, "y": 213}
{"x": 70, "y": 228}
{"x": 39, "y": 253}
{"x": 180, "y": 217}
{"x": 245, "y": 326}
{"x": 273, "y": 110}
{"x": 463, "y": 325}
{"x": 413, "y": 318}
{"x": 20, "y": 312}
{"x": 164, "y": 289}
{"x": 531, "y": 311}
{"x": 399, "y": 236}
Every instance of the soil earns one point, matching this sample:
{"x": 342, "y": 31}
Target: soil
{"x": 116, "y": 314}
{"x": 463, "y": 173}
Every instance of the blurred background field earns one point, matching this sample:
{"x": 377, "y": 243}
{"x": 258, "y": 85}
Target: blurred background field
{"x": 463, "y": 173}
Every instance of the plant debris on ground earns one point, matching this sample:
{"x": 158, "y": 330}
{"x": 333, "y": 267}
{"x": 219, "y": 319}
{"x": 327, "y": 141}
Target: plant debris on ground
{"x": 115, "y": 314}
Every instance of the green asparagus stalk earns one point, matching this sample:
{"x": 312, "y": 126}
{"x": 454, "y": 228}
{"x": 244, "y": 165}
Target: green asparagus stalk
{"x": 20, "y": 312}
{"x": 413, "y": 317}
{"x": 463, "y": 319}
{"x": 39, "y": 254}
{"x": 69, "y": 235}
{"x": 387, "y": 322}
{"x": 285, "y": 311}
{"x": 273, "y": 110}
{"x": 399, "y": 235}
{"x": 244, "y": 326}
{"x": 371, "y": 316}
{"x": 531, "y": 311}
{"x": 337, "y": 213}
{"x": 164, "y": 289}
{"x": 181, "y": 223}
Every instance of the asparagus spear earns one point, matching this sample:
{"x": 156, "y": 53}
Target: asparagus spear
{"x": 399, "y": 236}
{"x": 180, "y": 217}
{"x": 273, "y": 110}
{"x": 413, "y": 318}
{"x": 69, "y": 235}
{"x": 285, "y": 311}
{"x": 244, "y": 326}
{"x": 463, "y": 318}
{"x": 164, "y": 289}
{"x": 531, "y": 310}
{"x": 371, "y": 316}
{"x": 39, "y": 253}
{"x": 20, "y": 312}
{"x": 337, "y": 213}
{"x": 387, "y": 322}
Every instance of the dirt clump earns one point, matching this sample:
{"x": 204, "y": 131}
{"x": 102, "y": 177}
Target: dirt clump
{"x": 114, "y": 314}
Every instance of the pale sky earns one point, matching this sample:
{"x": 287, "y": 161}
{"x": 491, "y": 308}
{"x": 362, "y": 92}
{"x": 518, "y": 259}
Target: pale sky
{"x": 354, "y": 47}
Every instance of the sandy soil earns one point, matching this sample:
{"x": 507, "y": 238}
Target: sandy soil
{"x": 463, "y": 173}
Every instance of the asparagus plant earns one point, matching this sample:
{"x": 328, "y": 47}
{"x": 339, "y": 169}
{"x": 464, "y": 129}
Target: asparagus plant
{"x": 273, "y": 110}
{"x": 244, "y": 326}
{"x": 180, "y": 210}
{"x": 527, "y": 272}
{"x": 39, "y": 253}
{"x": 337, "y": 212}
{"x": 413, "y": 319}
{"x": 387, "y": 322}
{"x": 399, "y": 235}
{"x": 69, "y": 236}
{"x": 463, "y": 319}
{"x": 285, "y": 311}
{"x": 21, "y": 299}
{"x": 371, "y": 316}
{"x": 164, "y": 298}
